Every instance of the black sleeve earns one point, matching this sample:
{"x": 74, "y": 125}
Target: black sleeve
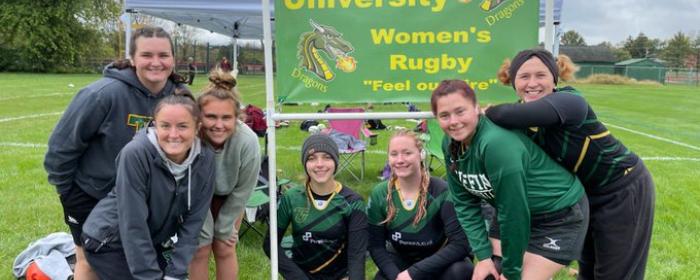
{"x": 457, "y": 247}
{"x": 381, "y": 257}
{"x": 357, "y": 242}
{"x": 523, "y": 115}
{"x": 287, "y": 267}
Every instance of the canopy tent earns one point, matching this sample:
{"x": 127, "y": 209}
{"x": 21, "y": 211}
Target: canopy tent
{"x": 238, "y": 19}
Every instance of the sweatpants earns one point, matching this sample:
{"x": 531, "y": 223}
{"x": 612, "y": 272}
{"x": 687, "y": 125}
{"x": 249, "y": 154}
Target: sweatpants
{"x": 619, "y": 233}
{"x": 109, "y": 262}
{"x": 461, "y": 270}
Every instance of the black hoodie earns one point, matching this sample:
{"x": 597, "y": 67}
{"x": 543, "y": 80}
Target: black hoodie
{"x": 100, "y": 120}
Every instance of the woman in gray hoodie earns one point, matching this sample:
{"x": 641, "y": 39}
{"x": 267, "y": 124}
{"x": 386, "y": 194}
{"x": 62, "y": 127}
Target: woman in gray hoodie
{"x": 147, "y": 226}
{"x": 99, "y": 121}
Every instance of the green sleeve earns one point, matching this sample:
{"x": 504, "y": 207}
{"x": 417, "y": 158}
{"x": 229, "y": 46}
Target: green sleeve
{"x": 506, "y": 160}
{"x": 376, "y": 205}
{"x": 468, "y": 208}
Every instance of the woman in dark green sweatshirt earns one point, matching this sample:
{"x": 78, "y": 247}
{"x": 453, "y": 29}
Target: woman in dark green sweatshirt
{"x": 542, "y": 212}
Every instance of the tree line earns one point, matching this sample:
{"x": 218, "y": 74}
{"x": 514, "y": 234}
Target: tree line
{"x": 681, "y": 51}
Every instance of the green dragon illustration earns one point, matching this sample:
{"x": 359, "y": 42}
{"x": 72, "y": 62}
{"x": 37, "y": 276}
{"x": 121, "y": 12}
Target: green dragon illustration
{"x": 326, "y": 39}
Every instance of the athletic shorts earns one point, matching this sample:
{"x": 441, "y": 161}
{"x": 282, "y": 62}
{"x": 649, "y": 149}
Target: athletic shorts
{"x": 557, "y": 236}
{"x": 211, "y": 227}
{"x": 77, "y": 205}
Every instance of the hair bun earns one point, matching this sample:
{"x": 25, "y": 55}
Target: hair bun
{"x": 222, "y": 79}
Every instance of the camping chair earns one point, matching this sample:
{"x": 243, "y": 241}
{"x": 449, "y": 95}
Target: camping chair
{"x": 353, "y": 128}
{"x": 433, "y": 145}
{"x": 256, "y": 209}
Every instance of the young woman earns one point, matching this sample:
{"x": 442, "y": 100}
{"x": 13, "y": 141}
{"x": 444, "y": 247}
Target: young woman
{"x": 569, "y": 131}
{"x": 542, "y": 212}
{"x": 413, "y": 214}
{"x": 147, "y": 226}
{"x": 237, "y": 156}
{"x": 100, "y": 120}
{"x": 329, "y": 224}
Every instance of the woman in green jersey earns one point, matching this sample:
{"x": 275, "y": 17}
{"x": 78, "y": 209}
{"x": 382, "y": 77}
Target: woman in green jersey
{"x": 328, "y": 220}
{"x": 542, "y": 212}
{"x": 413, "y": 228}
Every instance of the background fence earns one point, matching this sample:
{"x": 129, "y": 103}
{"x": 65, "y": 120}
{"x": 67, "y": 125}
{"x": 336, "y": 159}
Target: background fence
{"x": 664, "y": 75}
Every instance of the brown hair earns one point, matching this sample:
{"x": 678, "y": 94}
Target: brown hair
{"x": 447, "y": 87}
{"x": 148, "y": 32}
{"x": 451, "y": 86}
{"x": 424, "y": 182}
{"x": 567, "y": 70}
{"x": 221, "y": 86}
{"x": 181, "y": 96}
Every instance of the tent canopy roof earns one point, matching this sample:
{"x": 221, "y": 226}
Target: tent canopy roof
{"x": 238, "y": 19}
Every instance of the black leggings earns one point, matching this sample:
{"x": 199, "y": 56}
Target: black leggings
{"x": 460, "y": 270}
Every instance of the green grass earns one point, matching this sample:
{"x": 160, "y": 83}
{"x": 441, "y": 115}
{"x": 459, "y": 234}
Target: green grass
{"x": 30, "y": 208}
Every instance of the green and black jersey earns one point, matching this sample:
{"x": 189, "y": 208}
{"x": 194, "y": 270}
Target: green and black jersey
{"x": 566, "y": 127}
{"x": 430, "y": 246}
{"x": 329, "y": 232}
{"x": 510, "y": 172}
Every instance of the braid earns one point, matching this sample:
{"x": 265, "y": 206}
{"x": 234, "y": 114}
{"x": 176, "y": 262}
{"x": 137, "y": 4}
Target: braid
{"x": 390, "y": 209}
{"x": 422, "y": 196}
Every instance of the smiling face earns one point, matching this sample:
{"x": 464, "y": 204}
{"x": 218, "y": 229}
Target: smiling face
{"x": 153, "y": 60}
{"x": 218, "y": 121}
{"x": 404, "y": 157}
{"x": 176, "y": 129}
{"x": 320, "y": 167}
{"x": 533, "y": 80}
{"x": 457, "y": 116}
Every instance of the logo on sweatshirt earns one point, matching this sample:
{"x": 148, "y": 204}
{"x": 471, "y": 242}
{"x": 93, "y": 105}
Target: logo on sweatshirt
{"x": 138, "y": 121}
{"x": 476, "y": 184}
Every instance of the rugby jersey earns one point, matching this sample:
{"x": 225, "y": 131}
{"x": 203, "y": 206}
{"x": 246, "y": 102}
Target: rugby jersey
{"x": 430, "y": 246}
{"x": 329, "y": 233}
{"x": 565, "y": 126}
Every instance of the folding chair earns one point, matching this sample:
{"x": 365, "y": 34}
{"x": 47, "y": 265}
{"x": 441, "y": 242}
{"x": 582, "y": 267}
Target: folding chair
{"x": 353, "y": 128}
{"x": 433, "y": 145}
{"x": 257, "y": 199}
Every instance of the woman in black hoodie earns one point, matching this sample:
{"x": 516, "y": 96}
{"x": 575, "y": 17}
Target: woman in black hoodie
{"x": 147, "y": 226}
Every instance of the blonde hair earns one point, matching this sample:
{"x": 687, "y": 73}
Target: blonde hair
{"x": 424, "y": 182}
{"x": 566, "y": 66}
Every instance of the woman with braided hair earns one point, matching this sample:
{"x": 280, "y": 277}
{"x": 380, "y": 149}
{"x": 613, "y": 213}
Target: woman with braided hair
{"x": 619, "y": 186}
{"x": 413, "y": 228}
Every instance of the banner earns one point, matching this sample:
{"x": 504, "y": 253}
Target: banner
{"x": 357, "y": 51}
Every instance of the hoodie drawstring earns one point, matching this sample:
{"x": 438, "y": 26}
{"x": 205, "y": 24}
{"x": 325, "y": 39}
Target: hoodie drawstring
{"x": 189, "y": 187}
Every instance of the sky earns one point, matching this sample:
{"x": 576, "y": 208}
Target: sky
{"x": 615, "y": 20}
{"x": 609, "y": 20}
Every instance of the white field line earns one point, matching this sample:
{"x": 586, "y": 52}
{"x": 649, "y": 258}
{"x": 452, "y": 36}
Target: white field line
{"x": 669, "y": 159}
{"x": 36, "y": 95}
{"x": 298, "y": 148}
{"x": 29, "y": 117}
{"x": 23, "y": 145}
{"x": 654, "y": 137}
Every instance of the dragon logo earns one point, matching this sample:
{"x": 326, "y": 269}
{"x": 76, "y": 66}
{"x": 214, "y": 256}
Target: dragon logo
{"x": 324, "y": 39}
{"x": 488, "y": 5}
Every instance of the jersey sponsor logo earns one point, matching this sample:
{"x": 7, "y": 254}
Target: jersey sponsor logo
{"x": 476, "y": 184}
{"x": 396, "y": 236}
{"x": 138, "y": 121}
{"x": 308, "y": 237}
{"x": 552, "y": 244}
{"x": 300, "y": 214}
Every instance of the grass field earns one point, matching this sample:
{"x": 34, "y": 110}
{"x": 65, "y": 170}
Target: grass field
{"x": 661, "y": 124}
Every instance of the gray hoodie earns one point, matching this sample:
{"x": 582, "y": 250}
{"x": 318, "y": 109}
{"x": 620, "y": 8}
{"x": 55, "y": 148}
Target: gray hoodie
{"x": 148, "y": 206}
{"x": 100, "y": 120}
